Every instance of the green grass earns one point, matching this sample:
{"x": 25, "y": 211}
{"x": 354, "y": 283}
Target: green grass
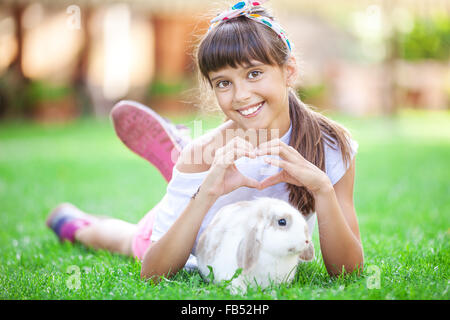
{"x": 402, "y": 198}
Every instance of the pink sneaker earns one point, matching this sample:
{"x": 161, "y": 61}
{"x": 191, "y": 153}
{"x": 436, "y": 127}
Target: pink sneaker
{"x": 149, "y": 135}
{"x": 66, "y": 219}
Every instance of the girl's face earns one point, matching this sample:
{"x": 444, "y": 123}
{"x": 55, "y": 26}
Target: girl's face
{"x": 255, "y": 96}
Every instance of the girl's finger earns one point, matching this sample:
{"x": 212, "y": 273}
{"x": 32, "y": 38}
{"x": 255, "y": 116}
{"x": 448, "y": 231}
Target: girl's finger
{"x": 270, "y": 143}
{"x": 233, "y": 155}
{"x": 287, "y": 153}
{"x": 274, "y": 143}
{"x": 251, "y": 183}
{"x": 244, "y": 152}
{"x": 272, "y": 180}
{"x": 279, "y": 163}
{"x": 282, "y": 149}
{"x": 238, "y": 142}
{"x": 232, "y": 146}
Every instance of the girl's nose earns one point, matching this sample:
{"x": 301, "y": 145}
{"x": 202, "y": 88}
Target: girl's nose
{"x": 242, "y": 93}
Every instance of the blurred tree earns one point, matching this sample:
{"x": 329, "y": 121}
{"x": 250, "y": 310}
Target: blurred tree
{"x": 428, "y": 39}
{"x": 14, "y": 82}
{"x": 79, "y": 79}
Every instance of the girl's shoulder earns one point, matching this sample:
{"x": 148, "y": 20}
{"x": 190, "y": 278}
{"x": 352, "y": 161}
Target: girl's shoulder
{"x": 198, "y": 155}
{"x": 336, "y": 164}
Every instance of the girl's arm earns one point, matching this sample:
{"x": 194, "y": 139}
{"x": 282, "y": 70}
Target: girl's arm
{"x": 170, "y": 253}
{"x": 338, "y": 227}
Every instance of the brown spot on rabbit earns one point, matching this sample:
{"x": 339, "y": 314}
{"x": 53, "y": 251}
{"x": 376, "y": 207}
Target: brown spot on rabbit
{"x": 248, "y": 250}
{"x": 308, "y": 253}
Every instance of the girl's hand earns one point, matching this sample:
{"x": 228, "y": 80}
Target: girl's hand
{"x": 296, "y": 169}
{"x": 224, "y": 177}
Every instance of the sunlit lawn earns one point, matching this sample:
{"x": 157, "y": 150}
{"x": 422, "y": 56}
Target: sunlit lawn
{"x": 402, "y": 198}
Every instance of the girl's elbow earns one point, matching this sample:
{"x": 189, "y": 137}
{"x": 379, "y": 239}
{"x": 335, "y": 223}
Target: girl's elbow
{"x": 144, "y": 272}
{"x": 148, "y": 270}
{"x": 356, "y": 262}
{"x": 154, "y": 272}
{"x": 354, "y": 265}
{"x": 355, "y": 268}
{"x": 150, "y": 273}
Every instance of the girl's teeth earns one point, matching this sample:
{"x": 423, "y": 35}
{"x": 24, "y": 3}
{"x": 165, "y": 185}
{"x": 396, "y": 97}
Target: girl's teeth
{"x": 250, "y": 110}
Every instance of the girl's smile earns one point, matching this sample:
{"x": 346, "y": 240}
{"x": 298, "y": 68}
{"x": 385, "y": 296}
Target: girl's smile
{"x": 251, "y": 110}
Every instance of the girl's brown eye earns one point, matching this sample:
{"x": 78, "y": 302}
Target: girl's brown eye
{"x": 220, "y": 84}
{"x": 254, "y": 74}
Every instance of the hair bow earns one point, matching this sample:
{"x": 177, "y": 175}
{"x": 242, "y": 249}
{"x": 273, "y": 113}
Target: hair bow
{"x": 244, "y": 8}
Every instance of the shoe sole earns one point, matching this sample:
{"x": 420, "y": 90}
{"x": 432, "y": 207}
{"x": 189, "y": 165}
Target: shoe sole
{"x": 145, "y": 133}
{"x": 78, "y": 214}
{"x": 54, "y": 212}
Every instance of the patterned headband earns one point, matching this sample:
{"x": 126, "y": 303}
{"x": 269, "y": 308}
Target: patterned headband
{"x": 243, "y": 8}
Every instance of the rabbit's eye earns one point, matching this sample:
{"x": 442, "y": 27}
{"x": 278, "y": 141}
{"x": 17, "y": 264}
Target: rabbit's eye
{"x": 282, "y": 222}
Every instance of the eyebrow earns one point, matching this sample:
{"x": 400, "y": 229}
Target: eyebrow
{"x": 251, "y": 65}
{"x": 215, "y": 78}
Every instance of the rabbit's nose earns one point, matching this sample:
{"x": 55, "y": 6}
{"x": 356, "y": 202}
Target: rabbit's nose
{"x": 307, "y": 241}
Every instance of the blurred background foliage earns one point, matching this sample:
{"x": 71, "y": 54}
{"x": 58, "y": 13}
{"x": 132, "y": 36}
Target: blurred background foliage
{"x": 40, "y": 91}
{"x": 63, "y": 59}
{"x": 429, "y": 38}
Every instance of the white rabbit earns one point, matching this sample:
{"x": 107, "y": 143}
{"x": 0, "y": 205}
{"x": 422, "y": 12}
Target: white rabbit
{"x": 266, "y": 237}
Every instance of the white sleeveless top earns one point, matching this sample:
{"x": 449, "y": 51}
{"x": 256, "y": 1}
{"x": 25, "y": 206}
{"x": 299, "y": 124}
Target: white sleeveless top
{"x": 183, "y": 185}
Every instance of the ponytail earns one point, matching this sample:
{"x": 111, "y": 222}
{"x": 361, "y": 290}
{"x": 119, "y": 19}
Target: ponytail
{"x": 308, "y": 138}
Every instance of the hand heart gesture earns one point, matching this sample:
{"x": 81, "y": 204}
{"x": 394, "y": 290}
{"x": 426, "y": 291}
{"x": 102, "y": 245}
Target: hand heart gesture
{"x": 224, "y": 176}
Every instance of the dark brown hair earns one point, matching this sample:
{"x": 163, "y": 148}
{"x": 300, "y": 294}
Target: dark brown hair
{"x": 238, "y": 41}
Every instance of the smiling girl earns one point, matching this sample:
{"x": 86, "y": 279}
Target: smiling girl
{"x": 246, "y": 60}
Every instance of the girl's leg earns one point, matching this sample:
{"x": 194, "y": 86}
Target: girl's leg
{"x": 149, "y": 135}
{"x": 72, "y": 224}
{"x": 108, "y": 234}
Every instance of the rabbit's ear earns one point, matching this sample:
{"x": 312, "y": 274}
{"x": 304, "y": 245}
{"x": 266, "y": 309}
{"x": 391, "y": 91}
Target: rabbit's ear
{"x": 249, "y": 247}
